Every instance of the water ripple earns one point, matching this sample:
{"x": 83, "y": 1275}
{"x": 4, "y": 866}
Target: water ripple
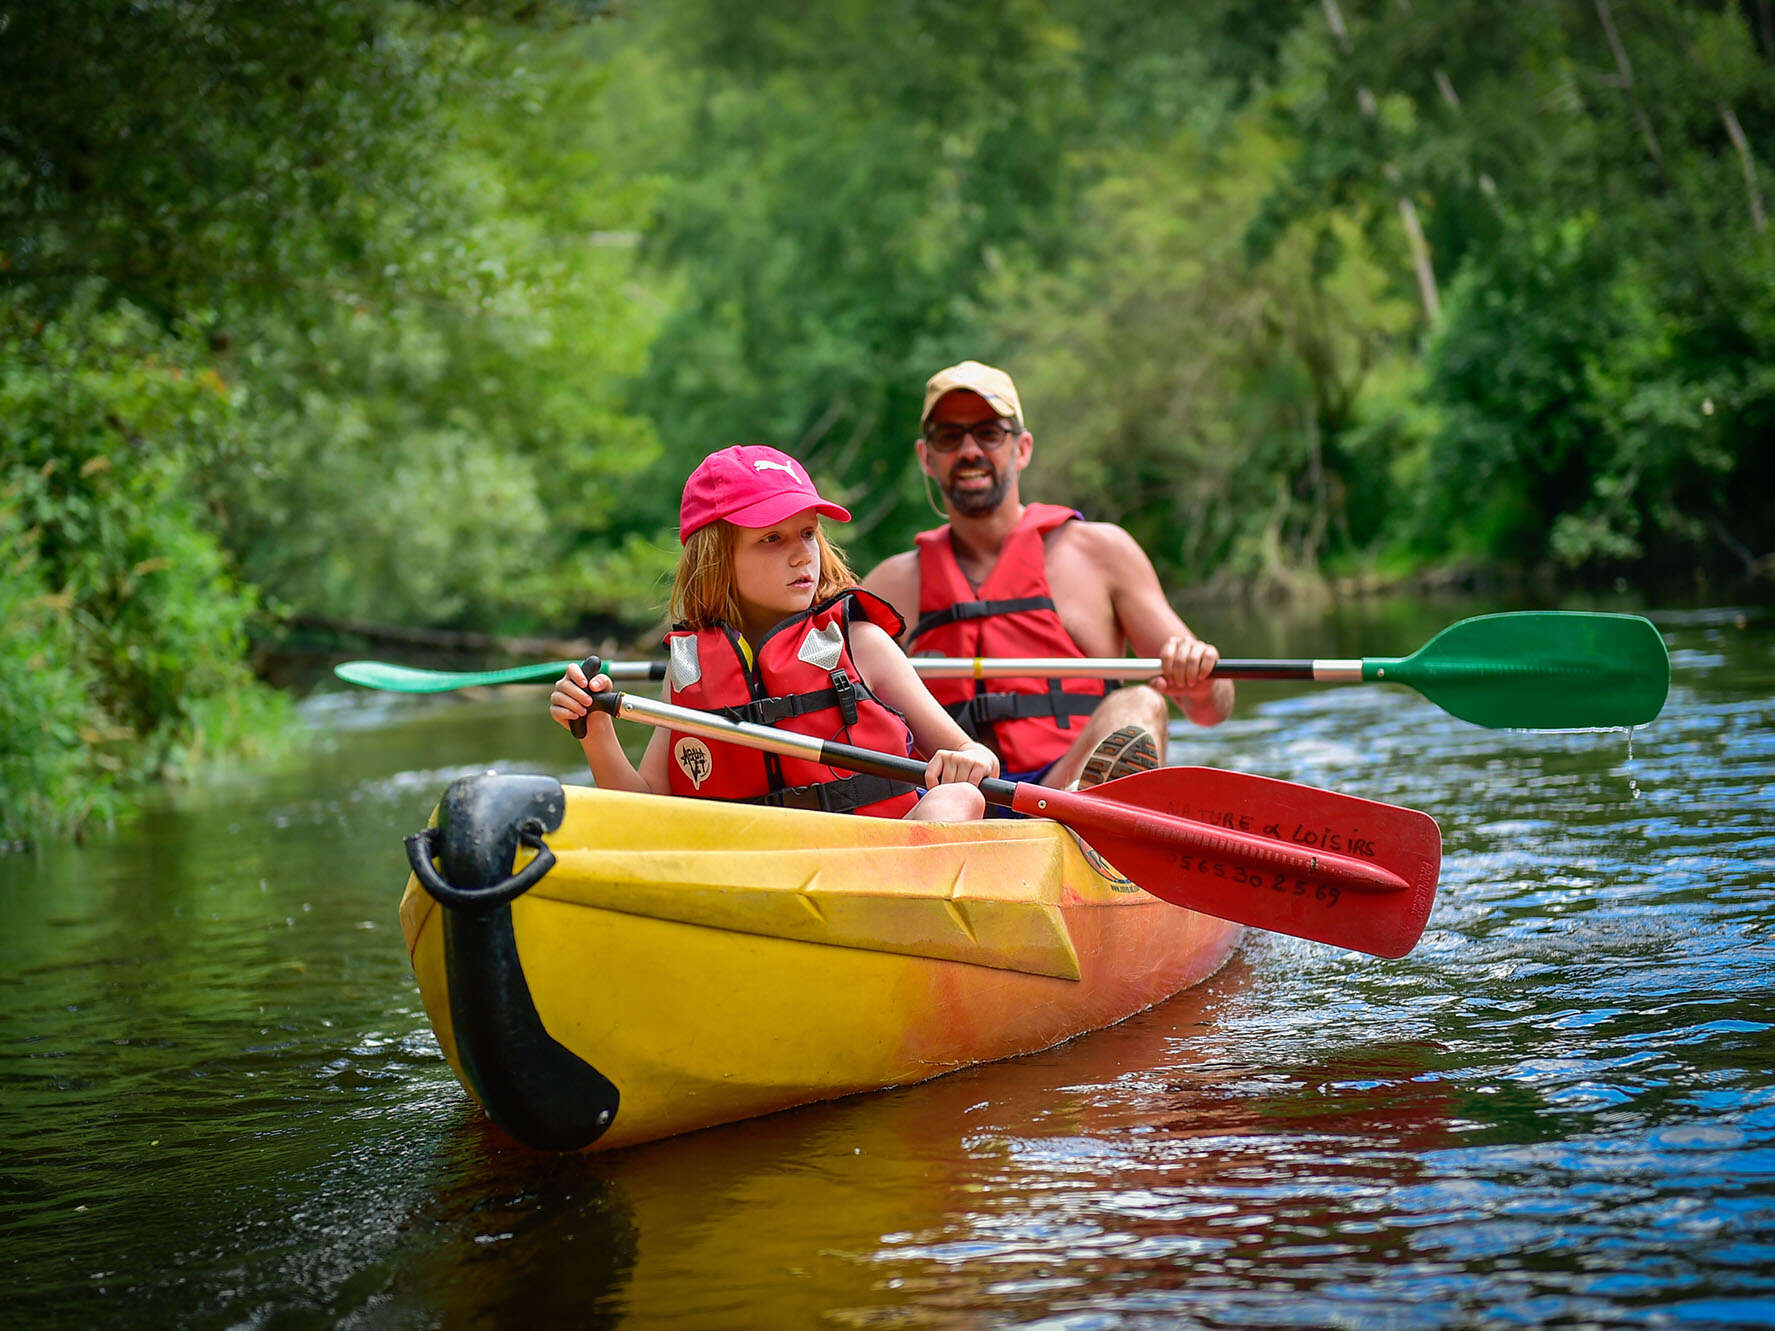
{"x": 222, "y": 1103}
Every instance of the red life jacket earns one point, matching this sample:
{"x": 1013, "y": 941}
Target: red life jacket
{"x": 804, "y": 680}
{"x": 1026, "y": 721}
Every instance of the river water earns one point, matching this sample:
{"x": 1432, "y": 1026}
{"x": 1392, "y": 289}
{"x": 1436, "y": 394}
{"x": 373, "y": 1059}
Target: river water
{"x": 221, "y": 1105}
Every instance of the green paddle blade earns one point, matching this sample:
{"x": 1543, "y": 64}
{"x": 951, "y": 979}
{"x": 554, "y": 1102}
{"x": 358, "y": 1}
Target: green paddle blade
{"x": 1539, "y": 670}
{"x": 409, "y": 679}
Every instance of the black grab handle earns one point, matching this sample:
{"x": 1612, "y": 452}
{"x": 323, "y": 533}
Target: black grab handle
{"x": 422, "y": 845}
{"x": 591, "y": 665}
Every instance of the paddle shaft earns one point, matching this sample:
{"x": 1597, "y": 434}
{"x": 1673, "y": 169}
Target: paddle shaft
{"x": 1529, "y": 670}
{"x": 1076, "y": 809}
{"x": 1006, "y": 667}
{"x": 412, "y": 679}
{"x": 1071, "y": 667}
{"x": 1122, "y": 667}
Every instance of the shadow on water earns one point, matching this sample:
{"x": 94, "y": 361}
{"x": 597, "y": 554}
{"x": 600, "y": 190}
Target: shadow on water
{"x": 220, "y": 1103}
{"x": 505, "y": 1234}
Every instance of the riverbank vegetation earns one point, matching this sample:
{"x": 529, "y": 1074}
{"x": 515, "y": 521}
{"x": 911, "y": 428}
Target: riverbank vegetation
{"x": 417, "y": 314}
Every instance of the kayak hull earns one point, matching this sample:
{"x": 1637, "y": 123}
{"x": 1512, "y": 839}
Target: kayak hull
{"x": 712, "y": 961}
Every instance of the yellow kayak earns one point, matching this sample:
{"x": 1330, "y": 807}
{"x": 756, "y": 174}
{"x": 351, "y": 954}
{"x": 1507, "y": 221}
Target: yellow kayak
{"x": 615, "y": 968}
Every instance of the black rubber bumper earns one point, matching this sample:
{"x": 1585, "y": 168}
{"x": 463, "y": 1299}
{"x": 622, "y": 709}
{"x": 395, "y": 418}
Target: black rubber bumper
{"x": 535, "y": 1088}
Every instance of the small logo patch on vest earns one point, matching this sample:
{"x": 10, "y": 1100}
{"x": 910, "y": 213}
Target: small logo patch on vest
{"x": 694, "y": 760}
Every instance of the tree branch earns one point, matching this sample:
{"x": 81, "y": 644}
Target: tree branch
{"x": 1735, "y": 132}
{"x": 1421, "y": 262}
{"x": 1625, "y": 68}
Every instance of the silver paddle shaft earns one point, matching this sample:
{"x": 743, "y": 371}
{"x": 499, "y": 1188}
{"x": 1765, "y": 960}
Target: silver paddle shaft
{"x": 1122, "y": 667}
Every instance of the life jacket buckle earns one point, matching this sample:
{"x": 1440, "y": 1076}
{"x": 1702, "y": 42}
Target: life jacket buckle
{"x": 768, "y": 711}
{"x": 846, "y": 693}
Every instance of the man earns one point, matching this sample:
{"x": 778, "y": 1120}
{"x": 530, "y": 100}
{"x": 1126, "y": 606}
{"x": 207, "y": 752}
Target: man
{"x": 1005, "y": 578}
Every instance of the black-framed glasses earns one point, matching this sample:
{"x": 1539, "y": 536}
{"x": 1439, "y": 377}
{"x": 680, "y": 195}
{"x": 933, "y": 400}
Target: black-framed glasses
{"x": 946, "y": 438}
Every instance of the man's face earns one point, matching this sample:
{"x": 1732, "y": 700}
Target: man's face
{"x": 974, "y": 476}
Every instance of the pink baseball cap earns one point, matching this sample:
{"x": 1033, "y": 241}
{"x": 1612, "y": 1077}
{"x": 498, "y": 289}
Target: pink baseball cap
{"x": 751, "y": 485}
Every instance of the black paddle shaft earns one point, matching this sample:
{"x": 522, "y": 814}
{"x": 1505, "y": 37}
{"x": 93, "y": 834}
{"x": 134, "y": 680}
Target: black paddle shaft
{"x": 1235, "y": 668}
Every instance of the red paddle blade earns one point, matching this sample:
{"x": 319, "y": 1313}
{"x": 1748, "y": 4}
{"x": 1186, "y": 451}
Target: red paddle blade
{"x": 1290, "y": 858}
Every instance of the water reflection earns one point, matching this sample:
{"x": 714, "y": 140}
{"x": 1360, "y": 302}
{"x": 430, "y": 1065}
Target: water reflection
{"x": 1170, "y": 1171}
{"x": 505, "y": 1235}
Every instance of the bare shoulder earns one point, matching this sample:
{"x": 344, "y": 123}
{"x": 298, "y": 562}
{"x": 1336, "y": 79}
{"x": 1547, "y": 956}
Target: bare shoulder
{"x": 872, "y": 636}
{"x": 895, "y": 580}
{"x": 1100, "y": 548}
{"x": 877, "y": 655}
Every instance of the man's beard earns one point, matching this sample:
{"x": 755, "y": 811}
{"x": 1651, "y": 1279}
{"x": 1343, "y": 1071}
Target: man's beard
{"x": 978, "y": 503}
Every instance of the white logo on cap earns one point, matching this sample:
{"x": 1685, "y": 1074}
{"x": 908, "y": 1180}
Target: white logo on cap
{"x": 789, "y": 467}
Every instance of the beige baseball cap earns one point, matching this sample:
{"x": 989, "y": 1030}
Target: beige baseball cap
{"x": 973, "y": 377}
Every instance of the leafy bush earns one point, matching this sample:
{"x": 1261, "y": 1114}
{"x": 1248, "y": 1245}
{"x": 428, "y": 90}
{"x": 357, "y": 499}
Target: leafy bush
{"x": 1582, "y": 425}
{"x": 1205, "y": 399}
{"x": 47, "y": 753}
{"x": 123, "y": 618}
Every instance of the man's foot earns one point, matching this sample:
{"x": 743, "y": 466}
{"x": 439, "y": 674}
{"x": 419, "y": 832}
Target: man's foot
{"x": 1120, "y": 753}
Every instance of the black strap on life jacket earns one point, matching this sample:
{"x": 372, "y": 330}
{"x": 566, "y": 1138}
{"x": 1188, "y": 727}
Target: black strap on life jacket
{"x": 963, "y": 610}
{"x": 840, "y": 796}
{"x": 975, "y": 714}
{"x": 844, "y": 695}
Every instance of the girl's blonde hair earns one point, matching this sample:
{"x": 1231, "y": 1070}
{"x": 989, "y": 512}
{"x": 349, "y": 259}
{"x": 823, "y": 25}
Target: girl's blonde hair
{"x": 704, "y": 592}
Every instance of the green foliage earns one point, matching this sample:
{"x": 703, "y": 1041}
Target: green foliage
{"x": 461, "y": 454}
{"x": 390, "y": 224}
{"x": 419, "y": 313}
{"x": 840, "y": 186}
{"x": 1182, "y": 230}
{"x": 307, "y": 295}
{"x": 45, "y": 763}
{"x": 1204, "y": 400}
{"x": 1588, "y": 433}
{"x": 1597, "y": 381}
{"x": 282, "y": 151}
{"x": 128, "y": 629}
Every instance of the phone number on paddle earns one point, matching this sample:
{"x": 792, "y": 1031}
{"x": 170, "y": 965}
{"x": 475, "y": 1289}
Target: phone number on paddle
{"x": 1281, "y": 883}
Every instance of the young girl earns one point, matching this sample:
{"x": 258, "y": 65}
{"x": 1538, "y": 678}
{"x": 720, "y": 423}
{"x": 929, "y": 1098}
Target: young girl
{"x": 773, "y": 630}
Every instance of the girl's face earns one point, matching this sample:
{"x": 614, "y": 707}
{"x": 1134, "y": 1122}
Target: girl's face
{"x": 776, "y": 569}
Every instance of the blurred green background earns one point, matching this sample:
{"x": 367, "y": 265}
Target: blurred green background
{"x": 415, "y": 315}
